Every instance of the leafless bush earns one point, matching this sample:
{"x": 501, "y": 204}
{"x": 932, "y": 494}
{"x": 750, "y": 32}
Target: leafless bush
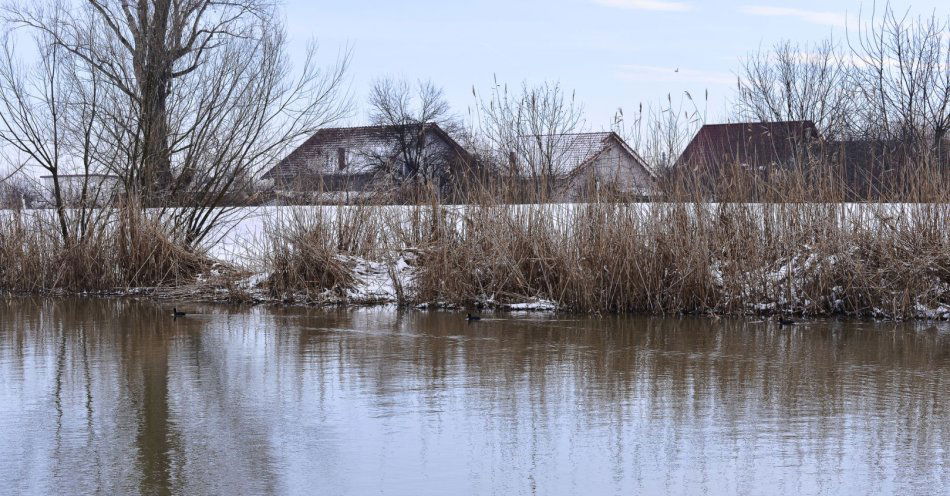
{"x": 17, "y": 191}
{"x": 528, "y": 134}
{"x": 901, "y": 71}
{"x": 43, "y": 123}
{"x": 661, "y": 131}
{"x": 882, "y": 103}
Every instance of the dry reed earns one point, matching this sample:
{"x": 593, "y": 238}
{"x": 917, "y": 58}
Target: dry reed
{"x": 803, "y": 252}
{"x": 814, "y": 259}
{"x": 303, "y": 257}
{"x": 117, "y": 250}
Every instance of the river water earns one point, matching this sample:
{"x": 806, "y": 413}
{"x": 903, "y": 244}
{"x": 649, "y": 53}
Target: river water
{"x": 117, "y": 397}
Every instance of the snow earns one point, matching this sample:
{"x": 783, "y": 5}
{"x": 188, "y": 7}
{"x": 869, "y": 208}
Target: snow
{"x": 380, "y": 282}
{"x": 538, "y": 305}
{"x": 390, "y": 279}
{"x": 384, "y": 281}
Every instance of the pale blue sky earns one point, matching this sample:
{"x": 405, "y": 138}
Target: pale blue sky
{"x": 614, "y": 53}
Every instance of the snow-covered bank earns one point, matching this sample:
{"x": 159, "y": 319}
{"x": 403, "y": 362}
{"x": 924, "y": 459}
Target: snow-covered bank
{"x": 792, "y": 279}
{"x": 863, "y": 260}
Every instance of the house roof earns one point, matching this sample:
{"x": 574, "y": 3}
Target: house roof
{"x": 326, "y": 141}
{"x": 754, "y": 143}
{"x": 570, "y": 153}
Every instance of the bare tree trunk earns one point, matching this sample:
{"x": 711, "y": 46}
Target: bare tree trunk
{"x": 154, "y": 69}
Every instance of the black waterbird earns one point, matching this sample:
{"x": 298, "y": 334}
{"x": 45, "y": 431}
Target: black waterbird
{"x": 176, "y": 313}
{"x": 469, "y": 317}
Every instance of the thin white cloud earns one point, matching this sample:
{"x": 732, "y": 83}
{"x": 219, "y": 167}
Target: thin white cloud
{"x": 812, "y": 16}
{"x": 657, "y": 74}
{"x": 659, "y": 5}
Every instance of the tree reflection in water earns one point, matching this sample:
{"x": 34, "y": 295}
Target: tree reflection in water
{"x": 115, "y": 396}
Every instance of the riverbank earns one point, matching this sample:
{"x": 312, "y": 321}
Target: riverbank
{"x": 881, "y": 261}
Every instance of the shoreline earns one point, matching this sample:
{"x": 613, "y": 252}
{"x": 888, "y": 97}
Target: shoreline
{"x": 222, "y": 296}
{"x": 868, "y": 262}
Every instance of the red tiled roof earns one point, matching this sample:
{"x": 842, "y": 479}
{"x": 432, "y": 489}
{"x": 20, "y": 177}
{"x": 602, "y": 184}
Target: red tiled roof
{"x": 750, "y": 143}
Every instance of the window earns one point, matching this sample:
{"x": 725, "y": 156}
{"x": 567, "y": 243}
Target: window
{"x": 341, "y": 158}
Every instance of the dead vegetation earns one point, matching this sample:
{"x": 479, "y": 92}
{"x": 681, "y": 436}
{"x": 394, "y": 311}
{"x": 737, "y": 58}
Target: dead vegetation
{"x": 791, "y": 256}
{"x": 866, "y": 260}
{"x": 119, "y": 249}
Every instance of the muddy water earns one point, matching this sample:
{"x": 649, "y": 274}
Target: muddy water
{"x": 116, "y": 397}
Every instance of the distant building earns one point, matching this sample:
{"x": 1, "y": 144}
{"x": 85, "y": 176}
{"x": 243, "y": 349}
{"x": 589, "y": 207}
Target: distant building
{"x": 871, "y": 168}
{"x": 100, "y": 189}
{"x": 349, "y": 163}
{"x": 757, "y": 147}
{"x": 577, "y": 165}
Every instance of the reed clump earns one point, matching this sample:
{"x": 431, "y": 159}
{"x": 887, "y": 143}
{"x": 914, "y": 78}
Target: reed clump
{"x": 305, "y": 254}
{"x": 113, "y": 250}
{"x": 661, "y": 258}
{"x": 802, "y": 251}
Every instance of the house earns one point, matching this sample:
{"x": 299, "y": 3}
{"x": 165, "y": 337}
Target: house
{"x": 758, "y": 147}
{"x": 349, "y": 163}
{"x": 871, "y": 168}
{"x": 574, "y": 166}
{"x": 868, "y": 167}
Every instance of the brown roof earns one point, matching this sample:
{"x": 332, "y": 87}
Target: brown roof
{"x": 327, "y": 141}
{"x": 751, "y": 143}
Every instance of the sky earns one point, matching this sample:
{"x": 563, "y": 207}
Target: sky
{"x": 611, "y": 53}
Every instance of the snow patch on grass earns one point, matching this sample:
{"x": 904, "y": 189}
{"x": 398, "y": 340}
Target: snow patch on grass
{"x": 537, "y": 305}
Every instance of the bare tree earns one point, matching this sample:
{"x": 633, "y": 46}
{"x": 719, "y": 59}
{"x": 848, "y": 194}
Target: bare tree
{"x": 33, "y": 104}
{"x": 409, "y": 113}
{"x": 798, "y": 82}
{"x": 239, "y": 114}
{"x": 193, "y": 97}
{"x": 531, "y": 133}
{"x": 903, "y": 75}
{"x": 144, "y": 49}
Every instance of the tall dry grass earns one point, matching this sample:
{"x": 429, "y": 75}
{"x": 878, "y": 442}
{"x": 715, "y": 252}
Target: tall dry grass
{"x": 310, "y": 253}
{"x": 815, "y": 259}
{"x": 303, "y": 261}
{"x": 801, "y": 251}
{"x": 117, "y": 249}
{"x": 804, "y": 251}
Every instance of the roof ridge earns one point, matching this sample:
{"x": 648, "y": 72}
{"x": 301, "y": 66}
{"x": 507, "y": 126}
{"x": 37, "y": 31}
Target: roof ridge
{"x": 752, "y": 123}
{"x": 585, "y": 133}
{"x": 375, "y": 126}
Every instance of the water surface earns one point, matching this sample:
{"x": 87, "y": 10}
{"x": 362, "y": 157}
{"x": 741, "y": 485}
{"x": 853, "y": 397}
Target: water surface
{"x": 116, "y": 397}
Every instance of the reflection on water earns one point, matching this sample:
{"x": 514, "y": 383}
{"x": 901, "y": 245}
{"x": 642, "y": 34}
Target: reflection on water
{"x": 115, "y": 397}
